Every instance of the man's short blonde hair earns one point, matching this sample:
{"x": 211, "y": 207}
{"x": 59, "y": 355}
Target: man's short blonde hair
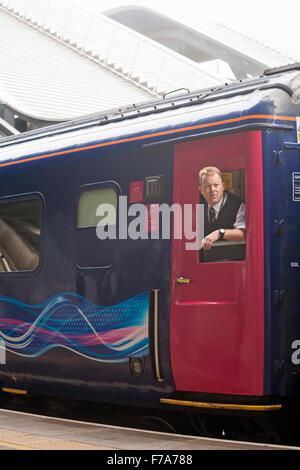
{"x": 208, "y": 171}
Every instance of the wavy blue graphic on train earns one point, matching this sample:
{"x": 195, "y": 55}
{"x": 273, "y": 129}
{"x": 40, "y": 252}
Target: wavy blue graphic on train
{"x": 106, "y": 334}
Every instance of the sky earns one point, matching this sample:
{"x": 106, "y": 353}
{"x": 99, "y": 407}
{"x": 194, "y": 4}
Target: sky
{"x": 271, "y": 22}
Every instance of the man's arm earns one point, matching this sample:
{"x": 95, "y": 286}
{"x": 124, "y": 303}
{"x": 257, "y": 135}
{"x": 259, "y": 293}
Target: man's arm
{"x": 234, "y": 234}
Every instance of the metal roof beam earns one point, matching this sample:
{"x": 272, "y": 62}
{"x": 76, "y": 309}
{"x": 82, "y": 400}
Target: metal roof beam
{"x": 7, "y": 129}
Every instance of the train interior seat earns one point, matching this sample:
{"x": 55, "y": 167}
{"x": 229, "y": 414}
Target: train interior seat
{"x": 15, "y": 252}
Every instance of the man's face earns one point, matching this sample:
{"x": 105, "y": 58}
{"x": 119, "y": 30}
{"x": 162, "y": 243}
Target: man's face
{"x": 212, "y": 189}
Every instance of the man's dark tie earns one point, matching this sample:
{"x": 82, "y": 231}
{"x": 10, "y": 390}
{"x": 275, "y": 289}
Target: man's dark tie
{"x": 212, "y": 215}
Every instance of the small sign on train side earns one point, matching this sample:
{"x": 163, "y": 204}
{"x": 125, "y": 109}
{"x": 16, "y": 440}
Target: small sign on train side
{"x": 296, "y": 186}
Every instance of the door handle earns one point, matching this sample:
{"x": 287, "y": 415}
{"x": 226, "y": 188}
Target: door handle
{"x": 182, "y": 280}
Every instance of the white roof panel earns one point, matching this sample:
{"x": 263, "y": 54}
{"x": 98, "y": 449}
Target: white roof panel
{"x": 54, "y": 82}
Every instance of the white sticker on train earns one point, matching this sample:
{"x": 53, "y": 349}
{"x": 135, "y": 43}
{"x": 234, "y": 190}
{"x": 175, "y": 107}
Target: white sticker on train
{"x": 296, "y": 354}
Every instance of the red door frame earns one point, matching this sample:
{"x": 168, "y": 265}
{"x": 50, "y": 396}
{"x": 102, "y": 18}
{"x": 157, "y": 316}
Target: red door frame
{"x": 217, "y": 320}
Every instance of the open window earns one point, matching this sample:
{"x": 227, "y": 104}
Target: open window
{"x": 230, "y": 213}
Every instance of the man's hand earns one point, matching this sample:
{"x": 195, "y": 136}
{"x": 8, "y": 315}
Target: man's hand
{"x": 210, "y": 239}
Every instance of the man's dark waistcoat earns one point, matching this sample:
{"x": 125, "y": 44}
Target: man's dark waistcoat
{"x": 227, "y": 214}
{"x": 226, "y": 219}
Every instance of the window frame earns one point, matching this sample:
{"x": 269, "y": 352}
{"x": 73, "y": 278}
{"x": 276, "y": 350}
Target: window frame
{"x": 23, "y": 197}
{"x": 109, "y": 184}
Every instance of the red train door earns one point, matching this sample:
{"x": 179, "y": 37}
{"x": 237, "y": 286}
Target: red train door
{"x": 217, "y": 308}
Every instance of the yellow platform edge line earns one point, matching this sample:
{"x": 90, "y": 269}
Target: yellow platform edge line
{"x": 14, "y": 446}
{"x": 221, "y": 406}
{"x": 14, "y": 390}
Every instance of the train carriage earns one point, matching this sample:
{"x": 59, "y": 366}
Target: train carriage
{"x": 104, "y": 293}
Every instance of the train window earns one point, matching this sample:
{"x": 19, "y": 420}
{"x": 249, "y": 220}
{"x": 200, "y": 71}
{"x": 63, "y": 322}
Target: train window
{"x": 223, "y": 196}
{"x": 96, "y": 212}
{"x": 20, "y": 232}
{"x": 89, "y": 203}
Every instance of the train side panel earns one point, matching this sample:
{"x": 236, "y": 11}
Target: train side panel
{"x": 85, "y": 314}
{"x": 282, "y": 267}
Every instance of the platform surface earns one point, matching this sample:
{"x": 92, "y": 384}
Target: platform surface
{"x": 23, "y": 431}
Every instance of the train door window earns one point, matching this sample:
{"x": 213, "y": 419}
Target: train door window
{"x": 20, "y": 234}
{"x": 223, "y": 197}
{"x": 96, "y": 243}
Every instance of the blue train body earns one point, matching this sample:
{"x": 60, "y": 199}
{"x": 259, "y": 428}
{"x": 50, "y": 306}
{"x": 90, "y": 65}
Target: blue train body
{"x": 83, "y": 323}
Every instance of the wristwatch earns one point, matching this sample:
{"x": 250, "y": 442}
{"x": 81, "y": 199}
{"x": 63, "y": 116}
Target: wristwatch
{"x": 222, "y": 233}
